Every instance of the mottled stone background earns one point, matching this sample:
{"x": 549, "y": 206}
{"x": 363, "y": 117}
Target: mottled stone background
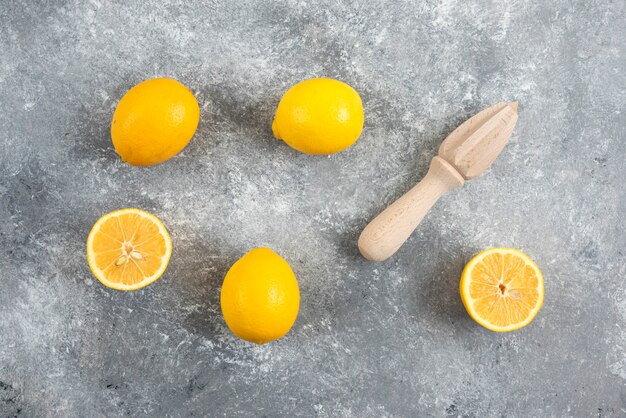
{"x": 387, "y": 339}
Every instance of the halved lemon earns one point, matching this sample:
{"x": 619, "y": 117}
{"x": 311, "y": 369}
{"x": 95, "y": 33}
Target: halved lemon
{"x": 128, "y": 249}
{"x": 502, "y": 289}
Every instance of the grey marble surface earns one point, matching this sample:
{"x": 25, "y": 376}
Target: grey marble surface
{"x": 387, "y": 339}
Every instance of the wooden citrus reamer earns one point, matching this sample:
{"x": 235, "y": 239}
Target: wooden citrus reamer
{"x": 463, "y": 155}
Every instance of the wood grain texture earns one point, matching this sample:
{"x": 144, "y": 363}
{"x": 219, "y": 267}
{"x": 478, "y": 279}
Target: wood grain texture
{"x": 467, "y": 152}
{"x": 389, "y": 230}
{"x": 474, "y": 145}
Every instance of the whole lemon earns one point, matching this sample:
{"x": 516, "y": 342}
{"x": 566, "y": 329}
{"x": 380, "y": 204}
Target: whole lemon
{"x": 260, "y": 296}
{"x": 154, "y": 121}
{"x": 319, "y": 116}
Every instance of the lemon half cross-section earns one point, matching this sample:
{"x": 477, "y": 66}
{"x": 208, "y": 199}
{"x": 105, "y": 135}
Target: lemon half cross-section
{"x": 128, "y": 249}
{"x": 502, "y": 289}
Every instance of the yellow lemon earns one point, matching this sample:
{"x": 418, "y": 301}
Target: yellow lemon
{"x": 502, "y": 289}
{"x": 154, "y": 121}
{"x": 128, "y": 249}
{"x": 260, "y": 296}
{"x": 319, "y": 116}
